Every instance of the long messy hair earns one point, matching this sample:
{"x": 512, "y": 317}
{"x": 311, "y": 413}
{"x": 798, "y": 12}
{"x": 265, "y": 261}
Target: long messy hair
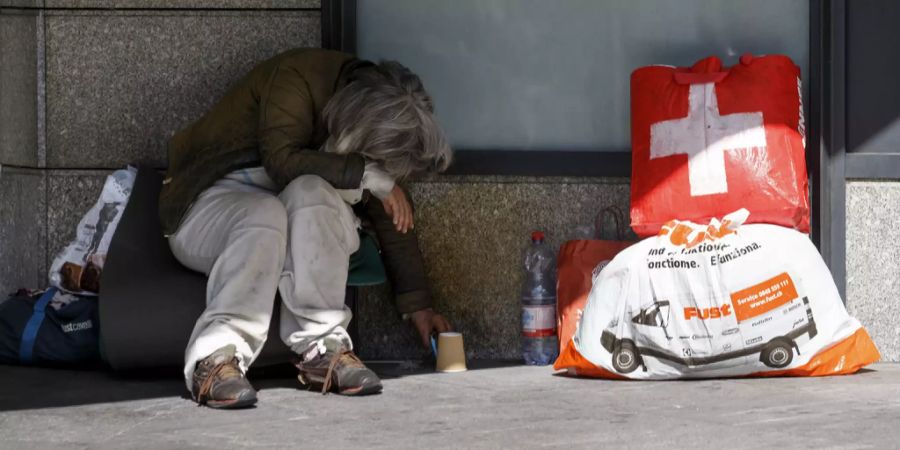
{"x": 385, "y": 114}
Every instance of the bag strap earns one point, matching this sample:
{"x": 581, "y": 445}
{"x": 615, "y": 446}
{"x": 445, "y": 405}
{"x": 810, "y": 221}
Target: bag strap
{"x": 29, "y": 335}
{"x": 617, "y": 215}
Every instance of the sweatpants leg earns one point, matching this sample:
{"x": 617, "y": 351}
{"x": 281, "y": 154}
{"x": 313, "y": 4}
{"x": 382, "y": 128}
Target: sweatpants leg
{"x": 238, "y": 238}
{"x": 322, "y": 234}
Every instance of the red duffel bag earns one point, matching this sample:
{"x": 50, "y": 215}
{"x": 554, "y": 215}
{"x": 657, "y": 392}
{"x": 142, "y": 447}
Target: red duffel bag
{"x": 708, "y": 140}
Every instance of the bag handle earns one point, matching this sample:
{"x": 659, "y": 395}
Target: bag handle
{"x": 29, "y": 334}
{"x": 617, "y": 215}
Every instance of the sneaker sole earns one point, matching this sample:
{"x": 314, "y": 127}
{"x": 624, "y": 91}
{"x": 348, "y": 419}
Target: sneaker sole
{"x": 316, "y": 383}
{"x": 239, "y": 403}
{"x": 361, "y": 390}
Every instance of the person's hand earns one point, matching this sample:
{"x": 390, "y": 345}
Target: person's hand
{"x": 427, "y": 322}
{"x": 398, "y": 208}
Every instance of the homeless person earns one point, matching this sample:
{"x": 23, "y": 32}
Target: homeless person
{"x": 267, "y": 193}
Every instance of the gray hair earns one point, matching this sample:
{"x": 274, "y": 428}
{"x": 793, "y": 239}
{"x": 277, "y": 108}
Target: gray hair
{"x": 385, "y": 114}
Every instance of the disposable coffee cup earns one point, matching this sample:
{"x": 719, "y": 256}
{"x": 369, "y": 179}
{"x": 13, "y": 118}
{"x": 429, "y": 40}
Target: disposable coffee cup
{"x": 451, "y": 355}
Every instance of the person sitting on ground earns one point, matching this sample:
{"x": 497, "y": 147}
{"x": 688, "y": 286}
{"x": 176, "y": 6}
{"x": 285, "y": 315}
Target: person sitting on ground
{"x": 267, "y": 193}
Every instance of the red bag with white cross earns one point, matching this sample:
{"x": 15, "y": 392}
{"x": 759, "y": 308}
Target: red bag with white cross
{"x": 708, "y": 140}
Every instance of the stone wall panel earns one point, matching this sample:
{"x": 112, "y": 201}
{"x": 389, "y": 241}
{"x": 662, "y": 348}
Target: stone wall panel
{"x": 18, "y": 87}
{"x": 473, "y": 232}
{"x": 119, "y": 84}
{"x": 23, "y": 229}
{"x": 165, "y": 4}
{"x": 873, "y": 261}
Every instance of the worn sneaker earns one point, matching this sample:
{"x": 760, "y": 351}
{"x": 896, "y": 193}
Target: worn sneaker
{"x": 339, "y": 371}
{"x": 219, "y": 383}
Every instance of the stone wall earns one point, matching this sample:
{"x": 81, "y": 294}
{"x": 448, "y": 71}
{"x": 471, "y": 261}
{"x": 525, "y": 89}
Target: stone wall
{"x": 473, "y": 232}
{"x": 873, "y": 261}
{"x": 88, "y": 86}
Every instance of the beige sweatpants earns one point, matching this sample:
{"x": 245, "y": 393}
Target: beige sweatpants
{"x": 251, "y": 241}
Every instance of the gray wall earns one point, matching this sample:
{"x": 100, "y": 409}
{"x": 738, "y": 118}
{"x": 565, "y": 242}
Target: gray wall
{"x": 473, "y": 231}
{"x": 873, "y": 261}
{"x": 537, "y": 74}
{"x": 85, "y": 89}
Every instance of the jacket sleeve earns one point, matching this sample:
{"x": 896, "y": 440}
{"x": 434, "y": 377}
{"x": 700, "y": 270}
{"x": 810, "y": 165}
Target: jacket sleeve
{"x": 402, "y": 259}
{"x": 286, "y": 126}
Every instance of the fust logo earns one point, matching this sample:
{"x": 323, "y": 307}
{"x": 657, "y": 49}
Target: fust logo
{"x": 707, "y": 313}
{"x": 688, "y": 236}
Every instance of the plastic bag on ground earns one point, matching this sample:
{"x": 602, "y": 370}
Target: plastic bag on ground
{"x": 77, "y": 268}
{"x": 577, "y": 261}
{"x": 721, "y": 300}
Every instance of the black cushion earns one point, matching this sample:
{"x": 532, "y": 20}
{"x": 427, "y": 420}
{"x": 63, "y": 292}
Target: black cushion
{"x": 149, "y": 302}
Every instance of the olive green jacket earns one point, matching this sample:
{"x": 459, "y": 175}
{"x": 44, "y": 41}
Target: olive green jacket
{"x": 273, "y": 118}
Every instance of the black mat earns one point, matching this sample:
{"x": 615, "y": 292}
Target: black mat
{"x": 148, "y": 300}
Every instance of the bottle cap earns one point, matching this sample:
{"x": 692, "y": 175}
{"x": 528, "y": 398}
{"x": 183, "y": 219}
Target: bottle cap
{"x": 537, "y": 236}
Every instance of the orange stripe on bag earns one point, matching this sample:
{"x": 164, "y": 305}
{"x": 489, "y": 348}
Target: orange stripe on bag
{"x": 572, "y": 361}
{"x": 844, "y": 358}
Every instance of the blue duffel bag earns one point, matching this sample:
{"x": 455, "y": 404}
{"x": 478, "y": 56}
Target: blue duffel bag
{"x": 49, "y": 329}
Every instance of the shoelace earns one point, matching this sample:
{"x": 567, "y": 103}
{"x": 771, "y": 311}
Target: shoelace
{"x": 225, "y": 369}
{"x": 335, "y": 359}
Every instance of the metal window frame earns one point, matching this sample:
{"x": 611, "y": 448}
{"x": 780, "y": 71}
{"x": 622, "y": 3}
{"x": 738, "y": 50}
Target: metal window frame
{"x": 826, "y": 147}
{"x": 339, "y": 25}
{"x": 866, "y": 160}
{"x": 872, "y": 166}
{"x": 832, "y": 165}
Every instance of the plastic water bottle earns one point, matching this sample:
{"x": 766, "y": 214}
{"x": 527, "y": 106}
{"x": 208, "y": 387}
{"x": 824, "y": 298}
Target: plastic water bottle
{"x": 540, "y": 345}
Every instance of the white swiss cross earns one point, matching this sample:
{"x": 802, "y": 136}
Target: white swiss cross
{"x": 704, "y": 135}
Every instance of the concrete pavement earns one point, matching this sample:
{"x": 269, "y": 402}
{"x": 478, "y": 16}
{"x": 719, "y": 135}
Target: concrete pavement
{"x": 494, "y": 406}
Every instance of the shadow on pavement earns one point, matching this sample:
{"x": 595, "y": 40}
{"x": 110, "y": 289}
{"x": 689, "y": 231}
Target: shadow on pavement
{"x": 34, "y": 388}
{"x": 25, "y": 388}
{"x": 285, "y": 376}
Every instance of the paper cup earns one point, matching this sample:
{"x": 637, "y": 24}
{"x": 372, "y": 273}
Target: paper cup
{"x": 451, "y": 355}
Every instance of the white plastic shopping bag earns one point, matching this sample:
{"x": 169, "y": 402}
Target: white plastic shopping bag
{"x": 717, "y": 300}
{"x": 77, "y": 267}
